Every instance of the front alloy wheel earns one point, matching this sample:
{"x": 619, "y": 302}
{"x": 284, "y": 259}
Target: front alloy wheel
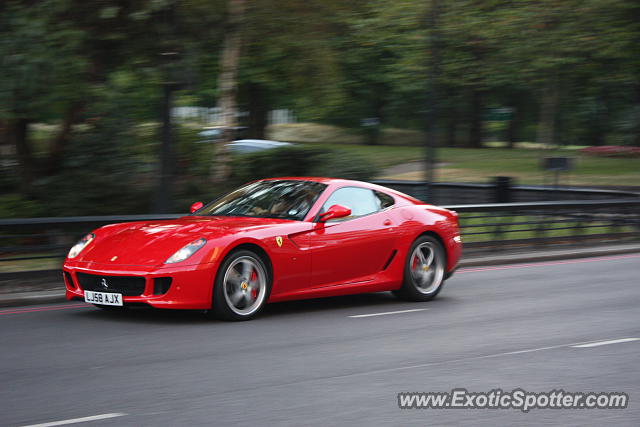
{"x": 242, "y": 286}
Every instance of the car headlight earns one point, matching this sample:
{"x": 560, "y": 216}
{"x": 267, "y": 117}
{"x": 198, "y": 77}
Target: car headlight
{"x": 78, "y": 247}
{"x": 186, "y": 251}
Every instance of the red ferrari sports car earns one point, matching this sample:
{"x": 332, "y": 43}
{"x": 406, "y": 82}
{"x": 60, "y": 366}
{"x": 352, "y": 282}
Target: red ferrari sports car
{"x": 270, "y": 240}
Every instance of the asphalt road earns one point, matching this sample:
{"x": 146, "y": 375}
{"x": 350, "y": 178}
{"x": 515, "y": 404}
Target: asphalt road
{"x": 310, "y": 363}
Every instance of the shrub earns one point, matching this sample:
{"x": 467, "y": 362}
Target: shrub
{"x": 299, "y": 161}
{"x": 18, "y": 206}
{"x": 342, "y": 165}
{"x": 99, "y": 175}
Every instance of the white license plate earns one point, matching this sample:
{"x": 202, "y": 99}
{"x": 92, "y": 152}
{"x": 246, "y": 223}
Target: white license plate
{"x": 104, "y": 298}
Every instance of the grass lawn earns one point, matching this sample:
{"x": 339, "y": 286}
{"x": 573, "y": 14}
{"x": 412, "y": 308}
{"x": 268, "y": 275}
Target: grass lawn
{"x": 381, "y": 156}
{"x": 31, "y": 264}
{"x": 479, "y": 165}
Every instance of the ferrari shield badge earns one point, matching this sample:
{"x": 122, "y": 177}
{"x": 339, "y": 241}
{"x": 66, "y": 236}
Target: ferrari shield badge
{"x": 279, "y": 241}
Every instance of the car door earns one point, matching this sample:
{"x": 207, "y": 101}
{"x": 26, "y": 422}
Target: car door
{"x": 352, "y": 249}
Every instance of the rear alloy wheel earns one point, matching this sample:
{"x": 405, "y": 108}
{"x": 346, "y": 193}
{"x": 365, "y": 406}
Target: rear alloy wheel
{"x": 424, "y": 270}
{"x": 242, "y": 286}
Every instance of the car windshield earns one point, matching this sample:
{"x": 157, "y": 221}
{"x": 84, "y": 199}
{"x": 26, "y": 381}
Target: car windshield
{"x": 287, "y": 199}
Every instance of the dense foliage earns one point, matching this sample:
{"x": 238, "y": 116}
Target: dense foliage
{"x": 563, "y": 72}
{"x": 300, "y": 161}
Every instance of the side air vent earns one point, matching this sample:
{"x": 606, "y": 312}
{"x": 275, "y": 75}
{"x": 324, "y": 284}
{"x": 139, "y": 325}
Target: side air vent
{"x": 391, "y": 257}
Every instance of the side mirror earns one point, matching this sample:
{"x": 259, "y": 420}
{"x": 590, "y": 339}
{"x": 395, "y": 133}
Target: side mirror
{"x": 335, "y": 211}
{"x": 196, "y": 206}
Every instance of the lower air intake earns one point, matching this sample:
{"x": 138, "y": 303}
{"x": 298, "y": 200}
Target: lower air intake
{"x": 161, "y": 285}
{"x": 125, "y": 285}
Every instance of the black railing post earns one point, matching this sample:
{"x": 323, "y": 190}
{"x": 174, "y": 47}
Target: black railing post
{"x": 502, "y": 186}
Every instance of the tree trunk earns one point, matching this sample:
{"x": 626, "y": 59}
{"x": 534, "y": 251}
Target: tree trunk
{"x": 452, "y": 128}
{"x": 258, "y": 110}
{"x": 513, "y": 128}
{"x": 597, "y": 126}
{"x": 59, "y": 143}
{"x": 433, "y": 101}
{"x": 475, "y": 125}
{"x": 19, "y": 132}
{"x": 372, "y": 125}
{"x": 636, "y": 135}
{"x": 547, "y": 118}
{"x": 4, "y": 133}
{"x": 228, "y": 88}
{"x": 163, "y": 196}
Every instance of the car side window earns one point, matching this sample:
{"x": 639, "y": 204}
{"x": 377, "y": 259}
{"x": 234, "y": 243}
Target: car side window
{"x": 384, "y": 199}
{"x": 361, "y": 201}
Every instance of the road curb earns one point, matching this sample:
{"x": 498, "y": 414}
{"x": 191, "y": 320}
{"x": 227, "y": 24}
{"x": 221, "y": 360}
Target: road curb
{"x": 32, "y": 298}
{"x": 58, "y": 295}
{"x": 549, "y": 256}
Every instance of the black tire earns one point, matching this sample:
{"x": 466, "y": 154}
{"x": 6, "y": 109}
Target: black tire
{"x": 222, "y": 306}
{"x": 418, "y": 285}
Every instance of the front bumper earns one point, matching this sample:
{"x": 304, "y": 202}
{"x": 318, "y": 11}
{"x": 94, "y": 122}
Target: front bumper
{"x": 191, "y": 286}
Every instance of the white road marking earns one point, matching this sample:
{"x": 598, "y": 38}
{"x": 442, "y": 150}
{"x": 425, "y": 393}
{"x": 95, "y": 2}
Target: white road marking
{"x": 388, "y": 312}
{"x": 599, "y": 343}
{"x": 422, "y": 365}
{"x": 78, "y": 420}
{"x": 448, "y": 361}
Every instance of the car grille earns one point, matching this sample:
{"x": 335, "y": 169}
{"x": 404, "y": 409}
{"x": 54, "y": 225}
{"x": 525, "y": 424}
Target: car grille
{"x": 125, "y": 285}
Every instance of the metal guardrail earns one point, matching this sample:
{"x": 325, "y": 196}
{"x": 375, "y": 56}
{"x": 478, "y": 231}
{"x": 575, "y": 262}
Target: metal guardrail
{"x": 494, "y": 226}
{"x": 500, "y": 191}
{"x": 506, "y": 225}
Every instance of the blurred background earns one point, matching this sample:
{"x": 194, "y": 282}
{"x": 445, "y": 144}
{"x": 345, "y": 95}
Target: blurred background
{"x": 129, "y": 107}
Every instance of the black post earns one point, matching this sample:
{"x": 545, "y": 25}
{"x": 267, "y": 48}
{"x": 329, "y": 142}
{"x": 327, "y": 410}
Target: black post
{"x": 431, "y": 116}
{"x": 167, "y": 64}
{"x": 502, "y": 185}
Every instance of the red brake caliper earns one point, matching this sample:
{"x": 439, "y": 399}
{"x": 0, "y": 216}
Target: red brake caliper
{"x": 253, "y": 278}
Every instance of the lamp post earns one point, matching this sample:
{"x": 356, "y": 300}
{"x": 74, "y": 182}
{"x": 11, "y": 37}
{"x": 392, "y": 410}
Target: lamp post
{"x": 431, "y": 116}
{"x": 164, "y": 195}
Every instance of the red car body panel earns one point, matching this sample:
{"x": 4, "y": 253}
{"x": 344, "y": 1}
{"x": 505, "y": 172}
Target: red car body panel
{"x": 307, "y": 259}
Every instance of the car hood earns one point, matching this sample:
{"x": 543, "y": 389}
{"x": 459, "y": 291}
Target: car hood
{"x": 152, "y": 242}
